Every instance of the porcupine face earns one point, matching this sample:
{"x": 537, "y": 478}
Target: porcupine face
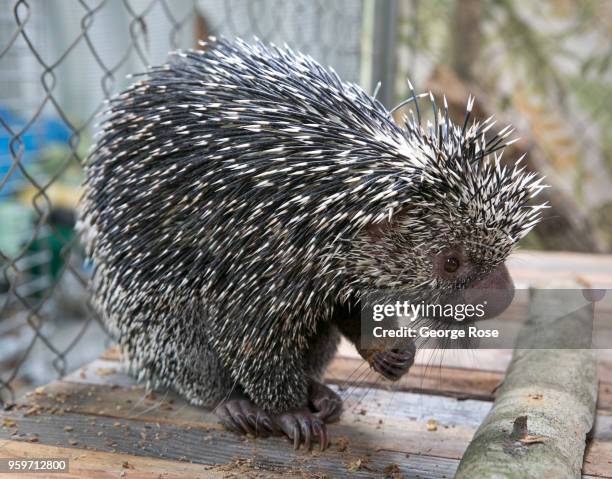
{"x": 465, "y": 215}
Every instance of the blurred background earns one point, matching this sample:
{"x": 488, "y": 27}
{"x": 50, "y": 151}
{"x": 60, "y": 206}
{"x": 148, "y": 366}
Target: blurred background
{"x": 543, "y": 66}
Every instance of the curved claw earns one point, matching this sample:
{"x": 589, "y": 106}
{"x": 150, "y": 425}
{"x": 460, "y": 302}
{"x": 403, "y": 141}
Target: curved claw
{"x": 226, "y": 419}
{"x": 290, "y": 427}
{"x": 389, "y": 371}
{"x": 324, "y": 408}
{"x": 240, "y": 415}
{"x": 302, "y": 427}
{"x": 320, "y": 431}
{"x": 384, "y": 369}
{"x": 400, "y": 361}
{"x": 246, "y": 427}
{"x": 393, "y": 363}
{"x": 306, "y": 435}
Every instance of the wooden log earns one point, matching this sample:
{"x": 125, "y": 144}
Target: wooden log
{"x": 545, "y": 408}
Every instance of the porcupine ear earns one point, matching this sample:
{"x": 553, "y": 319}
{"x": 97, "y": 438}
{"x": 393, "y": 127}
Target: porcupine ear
{"x": 376, "y": 231}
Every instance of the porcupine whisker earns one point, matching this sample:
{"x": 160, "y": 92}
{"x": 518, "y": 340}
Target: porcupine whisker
{"x": 364, "y": 370}
{"x": 357, "y": 371}
{"x": 367, "y": 391}
{"x": 429, "y": 363}
{"x": 156, "y": 405}
{"x": 442, "y": 351}
{"x": 153, "y": 407}
{"x": 358, "y": 382}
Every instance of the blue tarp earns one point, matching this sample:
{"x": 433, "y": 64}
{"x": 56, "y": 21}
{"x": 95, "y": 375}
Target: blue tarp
{"x": 42, "y": 133}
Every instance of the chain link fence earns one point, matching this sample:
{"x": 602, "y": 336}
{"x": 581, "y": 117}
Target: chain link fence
{"x": 59, "y": 61}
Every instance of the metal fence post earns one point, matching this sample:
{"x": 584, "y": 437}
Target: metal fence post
{"x": 383, "y": 49}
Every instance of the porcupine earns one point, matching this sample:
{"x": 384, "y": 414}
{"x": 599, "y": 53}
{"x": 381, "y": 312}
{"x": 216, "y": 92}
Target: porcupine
{"x": 241, "y": 198}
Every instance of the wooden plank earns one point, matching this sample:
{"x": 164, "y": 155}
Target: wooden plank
{"x": 101, "y": 371}
{"x": 495, "y": 360}
{"x": 347, "y": 372}
{"x": 454, "y": 382}
{"x": 111, "y": 354}
{"x": 457, "y": 373}
{"x": 449, "y": 368}
{"x": 104, "y": 465}
{"x": 220, "y": 448}
{"x": 405, "y": 433}
{"x": 598, "y": 456}
{"x": 366, "y": 414}
{"x": 533, "y": 267}
{"x": 117, "y": 402}
{"x": 341, "y": 373}
{"x": 461, "y": 383}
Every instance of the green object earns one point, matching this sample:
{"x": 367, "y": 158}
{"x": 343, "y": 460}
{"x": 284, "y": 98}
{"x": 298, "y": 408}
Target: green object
{"x": 43, "y": 256}
{"x": 54, "y": 238}
{"x": 15, "y": 227}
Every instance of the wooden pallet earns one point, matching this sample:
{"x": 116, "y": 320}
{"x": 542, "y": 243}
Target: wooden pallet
{"x": 108, "y": 426}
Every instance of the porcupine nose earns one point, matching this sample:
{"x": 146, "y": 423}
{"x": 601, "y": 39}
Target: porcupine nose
{"x": 495, "y": 292}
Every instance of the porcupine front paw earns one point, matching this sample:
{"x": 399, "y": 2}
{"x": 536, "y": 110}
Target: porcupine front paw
{"x": 393, "y": 363}
{"x": 239, "y": 414}
{"x": 325, "y": 402}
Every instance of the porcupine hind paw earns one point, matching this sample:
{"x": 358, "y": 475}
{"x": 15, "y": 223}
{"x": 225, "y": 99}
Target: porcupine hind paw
{"x": 239, "y": 414}
{"x": 325, "y": 402}
{"x": 393, "y": 363}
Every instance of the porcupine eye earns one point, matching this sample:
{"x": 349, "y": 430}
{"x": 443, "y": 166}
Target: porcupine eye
{"x": 451, "y": 264}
